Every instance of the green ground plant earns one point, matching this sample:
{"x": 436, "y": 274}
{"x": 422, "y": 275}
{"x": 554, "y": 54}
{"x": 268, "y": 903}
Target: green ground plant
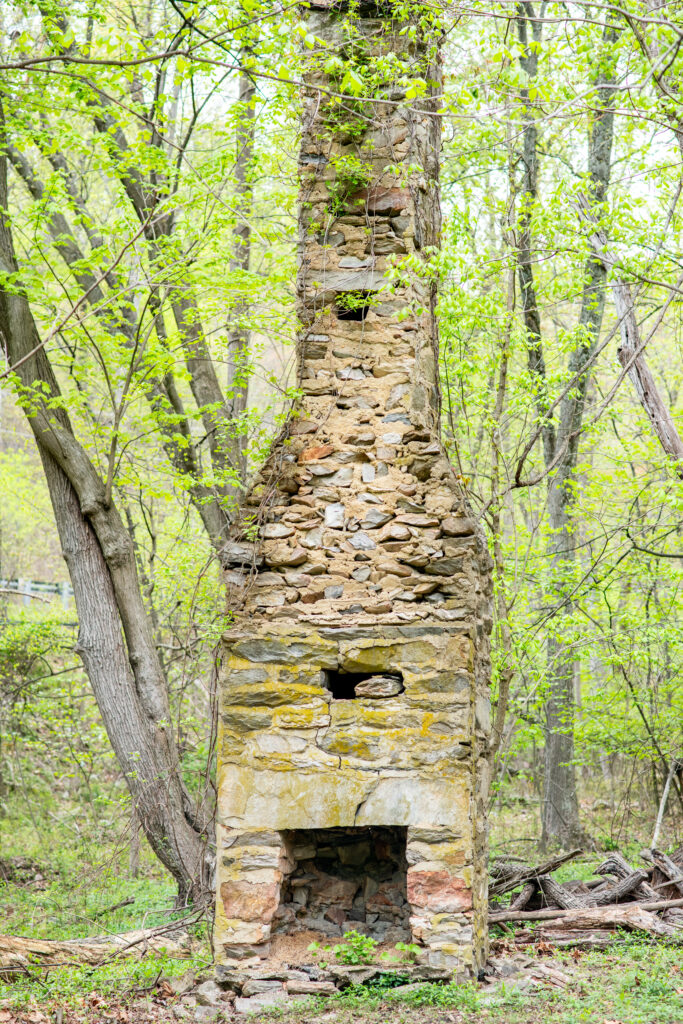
{"x": 356, "y": 949}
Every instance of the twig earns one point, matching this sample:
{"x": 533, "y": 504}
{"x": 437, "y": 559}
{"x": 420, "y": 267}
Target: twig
{"x": 116, "y": 906}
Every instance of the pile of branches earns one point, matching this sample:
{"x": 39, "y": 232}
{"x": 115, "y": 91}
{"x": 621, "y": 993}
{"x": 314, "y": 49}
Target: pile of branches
{"x": 587, "y": 913}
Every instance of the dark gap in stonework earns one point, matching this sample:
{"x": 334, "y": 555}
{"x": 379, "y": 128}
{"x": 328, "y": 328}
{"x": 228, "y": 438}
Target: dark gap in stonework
{"x": 346, "y": 879}
{"x": 353, "y": 305}
{"x": 342, "y": 685}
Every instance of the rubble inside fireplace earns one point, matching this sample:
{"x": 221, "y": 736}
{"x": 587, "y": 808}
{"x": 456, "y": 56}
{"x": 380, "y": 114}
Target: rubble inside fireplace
{"x": 346, "y": 879}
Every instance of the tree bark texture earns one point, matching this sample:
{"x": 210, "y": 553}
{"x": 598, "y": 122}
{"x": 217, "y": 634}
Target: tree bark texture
{"x": 123, "y": 667}
{"x": 560, "y": 811}
{"x": 18, "y": 955}
{"x": 238, "y": 334}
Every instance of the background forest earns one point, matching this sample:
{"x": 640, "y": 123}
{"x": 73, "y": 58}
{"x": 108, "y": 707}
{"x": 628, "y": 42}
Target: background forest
{"x": 149, "y": 182}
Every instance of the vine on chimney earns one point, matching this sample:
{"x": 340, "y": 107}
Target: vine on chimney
{"x": 351, "y": 176}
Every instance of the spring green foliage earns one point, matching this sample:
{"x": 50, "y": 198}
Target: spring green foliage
{"x": 63, "y": 798}
{"x": 351, "y": 175}
{"x": 623, "y": 619}
{"x": 634, "y": 981}
{"x": 356, "y": 949}
{"x": 68, "y": 987}
{"x": 406, "y": 951}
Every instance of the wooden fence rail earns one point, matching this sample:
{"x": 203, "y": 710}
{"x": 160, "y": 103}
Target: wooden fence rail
{"x": 35, "y": 589}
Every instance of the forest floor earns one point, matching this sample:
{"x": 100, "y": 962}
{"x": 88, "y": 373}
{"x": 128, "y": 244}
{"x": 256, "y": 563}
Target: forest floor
{"x": 76, "y": 882}
{"x": 633, "y": 982}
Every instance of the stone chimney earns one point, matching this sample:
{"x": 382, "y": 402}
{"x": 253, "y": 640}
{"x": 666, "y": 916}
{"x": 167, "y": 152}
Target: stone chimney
{"x": 354, "y": 690}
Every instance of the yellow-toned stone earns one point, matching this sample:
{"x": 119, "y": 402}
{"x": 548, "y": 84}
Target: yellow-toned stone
{"x": 439, "y": 922}
{"x": 282, "y": 648}
{"x": 444, "y": 855}
{"x": 276, "y": 742}
{"x": 230, "y": 872}
{"x": 460, "y": 651}
{"x": 237, "y": 931}
{"x": 273, "y": 694}
{"x": 394, "y": 749}
{"x": 240, "y": 720}
{"x": 388, "y": 733}
{"x": 451, "y": 686}
{"x": 312, "y": 716}
{"x": 257, "y": 858}
{"x": 310, "y": 758}
{"x": 415, "y": 800}
{"x": 373, "y": 655}
{"x": 451, "y": 954}
{"x": 291, "y": 799}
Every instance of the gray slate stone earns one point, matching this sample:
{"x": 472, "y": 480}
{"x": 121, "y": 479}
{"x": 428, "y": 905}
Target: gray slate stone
{"x": 233, "y": 553}
{"x": 361, "y": 542}
{"x": 251, "y": 1004}
{"x": 375, "y": 518}
{"x": 334, "y": 516}
{"x": 257, "y": 987}
{"x": 208, "y": 993}
{"x": 379, "y": 686}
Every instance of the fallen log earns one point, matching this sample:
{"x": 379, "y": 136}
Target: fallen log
{"x": 625, "y": 915}
{"x": 624, "y": 887}
{"x": 19, "y": 954}
{"x": 616, "y": 865}
{"x": 667, "y": 867}
{"x": 558, "y": 896}
{"x": 508, "y": 876}
{"x": 521, "y": 899}
{"x": 574, "y": 938}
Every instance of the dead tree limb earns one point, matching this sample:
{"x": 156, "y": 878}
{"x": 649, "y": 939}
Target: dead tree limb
{"x": 616, "y": 865}
{"x": 623, "y": 887}
{"x": 668, "y": 869}
{"x": 17, "y": 954}
{"x": 558, "y": 896}
{"x": 508, "y": 876}
{"x": 624, "y": 916}
{"x": 520, "y": 901}
{"x": 631, "y": 351}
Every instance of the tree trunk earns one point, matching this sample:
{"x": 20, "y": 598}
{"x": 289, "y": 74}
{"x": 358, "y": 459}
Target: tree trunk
{"x": 19, "y": 955}
{"x": 141, "y": 748}
{"x": 560, "y": 810}
{"x": 123, "y": 668}
{"x": 238, "y": 334}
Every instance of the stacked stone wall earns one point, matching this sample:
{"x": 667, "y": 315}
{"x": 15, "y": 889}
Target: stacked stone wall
{"x": 367, "y": 562}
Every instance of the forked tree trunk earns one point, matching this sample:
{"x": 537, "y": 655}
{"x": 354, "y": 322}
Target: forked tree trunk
{"x": 140, "y": 747}
{"x": 115, "y": 640}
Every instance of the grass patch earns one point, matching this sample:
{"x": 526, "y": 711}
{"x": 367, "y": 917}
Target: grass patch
{"x": 635, "y": 982}
{"x": 70, "y": 987}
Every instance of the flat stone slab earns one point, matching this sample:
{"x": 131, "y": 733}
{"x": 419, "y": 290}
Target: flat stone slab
{"x": 251, "y": 1004}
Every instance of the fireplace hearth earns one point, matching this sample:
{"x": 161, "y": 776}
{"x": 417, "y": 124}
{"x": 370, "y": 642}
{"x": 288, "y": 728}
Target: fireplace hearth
{"x": 346, "y": 879}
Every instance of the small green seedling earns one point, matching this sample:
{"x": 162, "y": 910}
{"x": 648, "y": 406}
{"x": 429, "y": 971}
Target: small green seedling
{"x": 357, "y": 949}
{"x": 406, "y": 952}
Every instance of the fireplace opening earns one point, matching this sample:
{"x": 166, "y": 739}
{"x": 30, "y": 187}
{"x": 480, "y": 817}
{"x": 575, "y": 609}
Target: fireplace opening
{"x": 350, "y": 685}
{"x": 346, "y": 879}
